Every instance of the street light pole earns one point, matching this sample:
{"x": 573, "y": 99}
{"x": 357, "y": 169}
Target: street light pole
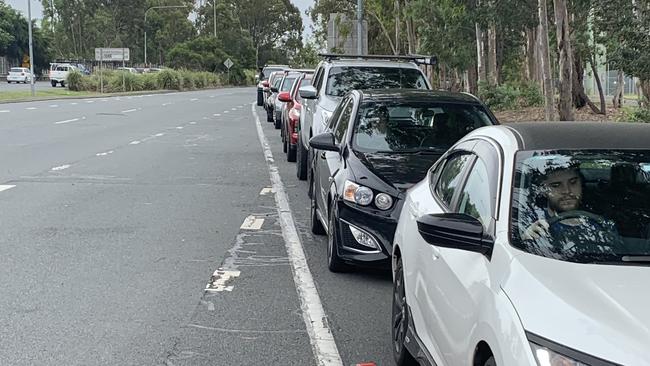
{"x": 31, "y": 47}
{"x": 214, "y": 16}
{"x": 145, "y": 25}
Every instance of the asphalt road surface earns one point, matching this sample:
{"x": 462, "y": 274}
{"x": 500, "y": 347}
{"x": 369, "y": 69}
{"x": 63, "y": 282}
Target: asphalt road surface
{"x": 40, "y": 85}
{"x": 151, "y": 230}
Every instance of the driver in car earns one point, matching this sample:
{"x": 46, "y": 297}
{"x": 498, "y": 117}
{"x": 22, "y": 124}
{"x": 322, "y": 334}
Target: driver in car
{"x": 564, "y": 221}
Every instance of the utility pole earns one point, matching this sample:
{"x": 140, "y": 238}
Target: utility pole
{"x": 31, "y": 47}
{"x": 214, "y": 16}
{"x": 360, "y": 27}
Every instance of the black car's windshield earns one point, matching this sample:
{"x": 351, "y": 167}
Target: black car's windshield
{"x": 588, "y": 206}
{"x": 341, "y": 80}
{"x": 287, "y": 84}
{"x": 395, "y": 126}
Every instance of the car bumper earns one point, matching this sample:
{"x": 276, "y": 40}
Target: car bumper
{"x": 380, "y": 226}
{"x": 17, "y": 78}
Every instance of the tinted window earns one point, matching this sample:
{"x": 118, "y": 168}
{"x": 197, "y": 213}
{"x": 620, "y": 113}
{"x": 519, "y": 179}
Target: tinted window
{"x": 344, "y": 122}
{"x": 268, "y": 70}
{"x": 16, "y": 69}
{"x": 475, "y": 198}
{"x": 303, "y": 82}
{"x": 337, "y": 112}
{"x": 450, "y": 177}
{"x": 343, "y": 79}
{"x": 287, "y": 83}
{"x": 587, "y": 206}
{"x": 398, "y": 126}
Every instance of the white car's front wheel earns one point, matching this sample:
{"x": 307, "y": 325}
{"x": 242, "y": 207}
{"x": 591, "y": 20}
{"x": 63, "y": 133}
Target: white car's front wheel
{"x": 400, "y": 320}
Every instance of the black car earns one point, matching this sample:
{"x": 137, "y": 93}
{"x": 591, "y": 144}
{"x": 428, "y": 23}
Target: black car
{"x": 263, "y": 78}
{"x": 378, "y": 144}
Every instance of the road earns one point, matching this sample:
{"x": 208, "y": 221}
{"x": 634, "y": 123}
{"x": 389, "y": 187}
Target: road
{"x": 146, "y": 231}
{"x": 40, "y": 85}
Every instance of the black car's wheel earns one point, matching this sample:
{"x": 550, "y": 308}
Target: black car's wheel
{"x": 334, "y": 262}
{"x": 278, "y": 122}
{"x": 291, "y": 153}
{"x": 260, "y": 97}
{"x": 269, "y": 115}
{"x": 285, "y": 143}
{"x": 315, "y": 224}
{"x": 400, "y": 320}
{"x": 53, "y": 83}
{"x": 490, "y": 362}
{"x": 301, "y": 160}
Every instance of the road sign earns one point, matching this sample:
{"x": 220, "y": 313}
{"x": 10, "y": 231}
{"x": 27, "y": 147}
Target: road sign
{"x": 228, "y": 63}
{"x": 112, "y": 54}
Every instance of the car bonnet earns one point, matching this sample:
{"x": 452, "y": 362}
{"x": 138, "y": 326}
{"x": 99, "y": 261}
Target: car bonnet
{"x": 399, "y": 170}
{"x": 601, "y": 310}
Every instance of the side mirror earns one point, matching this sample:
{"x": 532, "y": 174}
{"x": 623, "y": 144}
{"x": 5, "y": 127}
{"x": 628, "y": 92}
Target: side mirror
{"x": 274, "y": 89}
{"x": 324, "y": 141}
{"x": 307, "y": 92}
{"x": 456, "y": 231}
{"x": 284, "y": 97}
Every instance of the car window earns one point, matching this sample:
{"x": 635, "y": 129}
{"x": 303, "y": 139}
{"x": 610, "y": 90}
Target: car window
{"x": 450, "y": 177}
{"x": 287, "y": 82}
{"x": 342, "y": 79}
{"x": 393, "y": 126}
{"x": 303, "y": 82}
{"x": 343, "y": 122}
{"x": 335, "y": 115}
{"x": 16, "y": 69}
{"x": 268, "y": 70}
{"x": 318, "y": 81}
{"x": 475, "y": 198}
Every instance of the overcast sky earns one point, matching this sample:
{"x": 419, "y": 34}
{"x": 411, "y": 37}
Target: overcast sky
{"x": 37, "y": 10}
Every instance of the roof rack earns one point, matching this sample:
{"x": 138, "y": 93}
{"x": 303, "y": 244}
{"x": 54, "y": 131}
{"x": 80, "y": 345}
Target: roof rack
{"x": 418, "y": 59}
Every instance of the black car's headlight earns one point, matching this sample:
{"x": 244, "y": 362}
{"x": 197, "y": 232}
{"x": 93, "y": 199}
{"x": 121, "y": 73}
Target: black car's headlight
{"x": 548, "y": 353}
{"x": 361, "y": 195}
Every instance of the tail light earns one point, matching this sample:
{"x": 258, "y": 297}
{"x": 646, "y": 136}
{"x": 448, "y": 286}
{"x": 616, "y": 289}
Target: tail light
{"x": 265, "y": 83}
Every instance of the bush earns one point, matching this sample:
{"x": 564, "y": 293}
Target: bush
{"x": 149, "y": 81}
{"x": 187, "y": 80}
{"x": 169, "y": 79}
{"x": 76, "y": 81}
{"x": 531, "y": 95}
{"x": 506, "y": 96}
{"x": 125, "y": 81}
{"x": 631, "y": 114}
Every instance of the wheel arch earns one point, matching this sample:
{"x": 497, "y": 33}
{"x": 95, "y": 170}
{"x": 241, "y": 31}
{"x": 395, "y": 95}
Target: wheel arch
{"x": 482, "y": 352}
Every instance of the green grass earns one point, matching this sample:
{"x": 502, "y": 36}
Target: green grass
{"x": 26, "y": 94}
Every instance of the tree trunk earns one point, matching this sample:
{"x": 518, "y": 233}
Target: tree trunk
{"x": 397, "y": 26}
{"x": 546, "y": 62}
{"x": 472, "y": 80}
{"x": 565, "y": 105}
{"x": 579, "y": 95}
{"x": 531, "y": 56}
{"x": 493, "y": 74}
{"x": 601, "y": 94}
{"x": 618, "y": 94}
{"x": 480, "y": 54}
{"x": 384, "y": 31}
{"x": 645, "y": 89}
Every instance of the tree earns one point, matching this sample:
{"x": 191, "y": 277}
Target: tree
{"x": 14, "y": 38}
{"x": 546, "y": 62}
{"x": 565, "y": 56}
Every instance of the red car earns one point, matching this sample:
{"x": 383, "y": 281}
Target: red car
{"x": 290, "y": 118}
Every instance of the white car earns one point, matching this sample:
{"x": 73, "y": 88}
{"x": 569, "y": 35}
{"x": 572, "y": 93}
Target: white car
{"x": 19, "y": 75}
{"x": 528, "y": 245}
{"x": 59, "y": 74}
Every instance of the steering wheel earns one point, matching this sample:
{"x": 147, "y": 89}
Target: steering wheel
{"x": 576, "y": 214}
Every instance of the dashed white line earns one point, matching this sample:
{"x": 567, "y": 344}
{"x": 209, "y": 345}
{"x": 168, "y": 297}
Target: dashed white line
{"x": 217, "y": 115}
{"x": 5, "y": 111}
{"x": 233, "y": 109}
{"x": 165, "y": 104}
{"x": 129, "y": 110}
{"x": 69, "y": 120}
{"x": 104, "y": 153}
{"x": 54, "y": 106}
{"x": 73, "y": 103}
{"x": 320, "y": 335}
{"x": 194, "y": 99}
{"x": 159, "y": 134}
{"x": 30, "y": 108}
{"x": 90, "y": 101}
{"x": 179, "y": 127}
{"x": 5, "y": 187}
{"x": 61, "y": 167}
{"x": 134, "y": 142}
{"x": 192, "y": 123}
{"x": 226, "y": 111}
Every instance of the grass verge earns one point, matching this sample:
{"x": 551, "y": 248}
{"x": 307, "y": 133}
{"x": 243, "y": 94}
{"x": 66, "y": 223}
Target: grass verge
{"x": 40, "y": 94}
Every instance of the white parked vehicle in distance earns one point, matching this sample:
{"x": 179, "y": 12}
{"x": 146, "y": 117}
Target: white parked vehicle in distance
{"x": 19, "y": 75}
{"x": 528, "y": 245}
{"x": 59, "y": 73}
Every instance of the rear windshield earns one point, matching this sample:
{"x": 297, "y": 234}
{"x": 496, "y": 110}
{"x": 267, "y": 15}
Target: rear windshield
{"x": 16, "y": 69}
{"x": 341, "y": 80}
{"x": 412, "y": 127}
{"x": 268, "y": 70}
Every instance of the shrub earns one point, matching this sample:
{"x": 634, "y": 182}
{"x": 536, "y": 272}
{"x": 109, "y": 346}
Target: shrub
{"x": 169, "y": 79}
{"x": 632, "y": 114}
{"x": 187, "y": 80}
{"x": 125, "y": 81}
{"x": 75, "y": 81}
{"x": 149, "y": 82}
{"x": 531, "y": 95}
{"x": 499, "y": 97}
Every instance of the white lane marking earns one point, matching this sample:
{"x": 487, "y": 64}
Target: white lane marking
{"x": 134, "y": 142}
{"x": 213, "y": 96}
{"x": 5, "y": 111}
{"x": 165, "y": 104}
{"x": 192, "y": 123}
{"x": 252, "y": 223}
{"x": 226, "y": 111}
{"x": 219, "y": 279}
{"x": 73, "y": 103}
{"x": 217, "y": 115}
{"x": 194, "y": 99}
{"x": 70, "y": 120}
{"x": 179, "y": 127}
{"x": 266, "y": 191}
{"x": 233, "y": 109}
{"x": 320, "y": 336}
{"x": 61, "y": 167}
{"x": 5, "y": 187}
{"x": 30, "y": 108}
{"x": 159, "y": 134}
{"x": 90, "y": 101}
{"x": 54, "y": 106}
{"x": 104, "y": 153}
{"x": 129, "y": 110}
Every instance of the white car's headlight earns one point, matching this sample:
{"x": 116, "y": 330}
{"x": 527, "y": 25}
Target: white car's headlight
{"x": 358, "y": 194}
{"x": 547, "y": 357}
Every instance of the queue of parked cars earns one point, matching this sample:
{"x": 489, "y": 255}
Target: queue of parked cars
{"x": 525, "y": 244}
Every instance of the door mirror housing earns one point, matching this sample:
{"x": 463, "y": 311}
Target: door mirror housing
{"x": 274, "y": 89}
{"x": 284, "y": 97}
{"x": 307, "y": 92}
{"x": 324, "y": 141}
{"x": 456, "y": 231}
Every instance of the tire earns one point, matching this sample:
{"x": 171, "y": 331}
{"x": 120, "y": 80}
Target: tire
{"x": 53, "y": 82}
{"x": 260, "y": 98}
{"x": 490, "y": 362}
{"x": 315, "y": 225}
{"x": 291, "y": 154}
{"x": 400, "y": 320}
{"x": 63, "y": 84}
{"x": 269, "y": 115}
{"x": 285, "y": 143}
{"x": 277, "y": 121}
{"x": 301, "y": 160}
{"x": 334, "y": 262}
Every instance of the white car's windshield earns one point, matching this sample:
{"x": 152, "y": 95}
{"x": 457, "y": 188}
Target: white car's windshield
{"x": 398, "y": 126}
{"x": 341, "y": 80}
{"x": 583, "y": 205}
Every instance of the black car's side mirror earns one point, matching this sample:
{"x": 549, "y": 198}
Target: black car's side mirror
{"x": 324, "y": 141}
{"x": 274, "y": 89}
{"x": 456, "y": 231}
